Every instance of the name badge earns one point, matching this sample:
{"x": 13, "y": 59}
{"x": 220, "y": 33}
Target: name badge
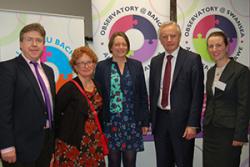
{"x": 220, "y": 85}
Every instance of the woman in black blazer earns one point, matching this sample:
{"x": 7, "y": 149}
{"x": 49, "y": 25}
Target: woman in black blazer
{"x": 125, "y": 98}
{"x": 227, "y": 107}
{"x": 78, "y": 139}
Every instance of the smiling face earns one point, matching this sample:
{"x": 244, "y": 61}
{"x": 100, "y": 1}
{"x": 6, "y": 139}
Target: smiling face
{"x": 170, "y": 37}
{"x": 84, "y": 66}
{"x": 120, "y": 47}
{"x": 32, "y": 45}
{"x": 217, "y": 48}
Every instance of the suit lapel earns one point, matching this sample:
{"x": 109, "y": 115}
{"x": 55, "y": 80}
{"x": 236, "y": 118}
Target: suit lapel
{"x": 108, "y": 72}
{"x": 158, "y": 70}
{"x": 50, "y": 79}
{"x": 179, "y": 62}
{"x": 210, "y": 80}
{"x": 131, "y": 69}
{"x": 30, "y": 76}
{"x": 225, "y": 76}
{"x": 227, "y": 72}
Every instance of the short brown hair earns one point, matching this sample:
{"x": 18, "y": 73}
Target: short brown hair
{"x": 218, "y": 34}
{"x": 78, "y": 52}
{"x": 112, "y": 38}
{"x": 32, "y": 27}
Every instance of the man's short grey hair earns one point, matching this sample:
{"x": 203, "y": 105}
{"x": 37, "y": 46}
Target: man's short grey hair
{"x": 165, "y": 24}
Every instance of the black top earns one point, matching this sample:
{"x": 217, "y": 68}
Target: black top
{"x": 71, "y": 113}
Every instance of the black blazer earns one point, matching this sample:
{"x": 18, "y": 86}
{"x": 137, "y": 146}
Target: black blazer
{"x": 186, "y": 94}
{"x": 229, "y": 108}
{"x": 22, "y": 112}
{"x": 102, "y": 76}
{"x": 71, "y": 113}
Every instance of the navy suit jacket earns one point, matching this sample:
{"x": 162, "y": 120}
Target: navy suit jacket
{"x": 102, "y": 76}
{"x": 23, "y": 112}
{"x": 186, "y": 93}
{"x": 229, "y": 108}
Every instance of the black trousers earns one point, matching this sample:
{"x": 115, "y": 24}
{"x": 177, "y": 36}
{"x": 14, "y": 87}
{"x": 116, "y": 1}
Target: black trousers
{"x": 171, "y": 148}
{"x": 44, "y": 157}
{"x": 218, "y": 149}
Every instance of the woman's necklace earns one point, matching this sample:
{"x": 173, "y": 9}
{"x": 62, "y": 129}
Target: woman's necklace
{"x": 219, "y": 70}
{"x": 88, "y": 85}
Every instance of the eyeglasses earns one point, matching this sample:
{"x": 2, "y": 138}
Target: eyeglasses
{"x": 31, "y": 40}
{"x": 84, "y": 64}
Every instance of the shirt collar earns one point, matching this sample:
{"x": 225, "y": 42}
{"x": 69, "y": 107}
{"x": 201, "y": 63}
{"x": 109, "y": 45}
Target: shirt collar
{"x": 174, "y": 53}
{"x": 28, "y": 60}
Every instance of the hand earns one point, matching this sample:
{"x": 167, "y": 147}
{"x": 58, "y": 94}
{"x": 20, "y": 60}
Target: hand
{"x": 9, "y": 156}
{"x": 237, "y": 143}
{"x": 190, "y": 133}
{"x": 144, "y": 130}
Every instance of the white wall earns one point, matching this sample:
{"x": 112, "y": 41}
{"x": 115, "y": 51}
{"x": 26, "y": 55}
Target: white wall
{"x": 65, "y": 7}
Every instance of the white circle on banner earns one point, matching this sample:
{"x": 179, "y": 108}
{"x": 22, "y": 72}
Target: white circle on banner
{"x": 136, "y": 39}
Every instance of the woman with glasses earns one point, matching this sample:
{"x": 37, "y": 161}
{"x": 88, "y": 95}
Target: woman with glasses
{"x": 125, "y": 111}
{"x": 78, "y": 139}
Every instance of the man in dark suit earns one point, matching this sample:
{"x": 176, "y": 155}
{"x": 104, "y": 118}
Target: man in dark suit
{"x": 175, "y": 102}
{"x": 26, "y": 113}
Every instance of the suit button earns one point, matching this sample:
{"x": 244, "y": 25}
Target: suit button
{"x": 45, "y": 113}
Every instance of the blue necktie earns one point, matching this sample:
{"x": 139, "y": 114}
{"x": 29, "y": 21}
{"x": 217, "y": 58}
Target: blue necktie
{"x": 45, "y": 93}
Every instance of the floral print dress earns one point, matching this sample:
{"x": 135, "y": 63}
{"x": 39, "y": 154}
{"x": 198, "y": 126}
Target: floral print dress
{"x": 90, "y": 153}
{"x": 123, "y": 132}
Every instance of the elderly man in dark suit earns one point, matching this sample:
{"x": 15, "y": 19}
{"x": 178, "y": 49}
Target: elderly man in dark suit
{"x": 27, "y": 89}
{"x": 176, "y": 94}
